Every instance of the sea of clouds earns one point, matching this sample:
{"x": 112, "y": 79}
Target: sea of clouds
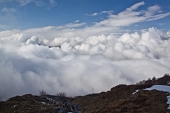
{"x": 78, "y": 66}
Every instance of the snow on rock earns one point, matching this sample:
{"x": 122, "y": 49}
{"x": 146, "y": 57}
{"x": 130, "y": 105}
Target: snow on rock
{"x": 43, "y": 103}
{"x": 15, "y": 106}
{"x": 159, "y": 88}
{"x": 135, "y": 92}
{"x": 168, "y": 102}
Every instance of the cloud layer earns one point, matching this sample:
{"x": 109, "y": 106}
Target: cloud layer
{"x": 78, "y": 65}
{"x": 80, "y": 59}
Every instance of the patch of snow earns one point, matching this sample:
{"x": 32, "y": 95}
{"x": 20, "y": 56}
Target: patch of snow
{"x": 43, "y": 102}
{"x": 162, "y": 88}
{"x": 168, "y": 82}
{"x": 15, "y": 106}
{"x": 168, "y": 102}
{"x": 135, "y": 92}
{"x": 159, "y": 88}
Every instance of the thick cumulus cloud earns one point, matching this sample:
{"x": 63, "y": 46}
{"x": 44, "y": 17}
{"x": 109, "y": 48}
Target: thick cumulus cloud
{"x": 150, "y": 43}
{"x": 80, "y": 59}
{"x": 79, "y": 66}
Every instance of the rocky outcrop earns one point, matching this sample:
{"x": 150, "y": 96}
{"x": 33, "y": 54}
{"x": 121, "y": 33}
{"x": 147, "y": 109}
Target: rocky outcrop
{"x": 38, "y": 104}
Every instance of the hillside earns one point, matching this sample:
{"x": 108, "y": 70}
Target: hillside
{"x": 120, "y": 99}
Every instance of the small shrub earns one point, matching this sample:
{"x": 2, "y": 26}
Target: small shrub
{"x": 61, "y": 94}
{"x": 43, "y": 93}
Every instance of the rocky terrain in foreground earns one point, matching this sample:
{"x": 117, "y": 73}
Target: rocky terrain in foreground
{"x": 120, "y": 99}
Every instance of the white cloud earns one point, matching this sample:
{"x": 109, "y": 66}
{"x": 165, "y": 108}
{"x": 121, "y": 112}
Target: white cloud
{"x": 106, "y": 12}
{"x": 32, "y": 40}
{"x": 24, "y": 2}
{"x": 111, "y": 24}
{"x": 131, "y": 16}
{"x": 37, "y": 2}
{"x": 74, "y": 25}
{"x": 135, "y": 6}
{"x": 52, "y": 2}
{"x": 168, "y": 33}
{"x": 154, "y": 9}
{"x": 8, "y": 10}
{"x": 77, "y": 21}
{"x": 77, "y": 65}
{"x": 6, "y": 0}
{"x": 94, "y": 14}
{"x": 102, "y": 12}
{"x": 158, "y": 16}
{"x": 75, "y": 58}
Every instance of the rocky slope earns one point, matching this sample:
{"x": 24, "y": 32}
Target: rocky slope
{"x": 120, "y": 99}
{"x": 27, "y": 104}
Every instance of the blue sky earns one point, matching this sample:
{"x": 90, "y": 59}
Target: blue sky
{"x": 25, "y": 14}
